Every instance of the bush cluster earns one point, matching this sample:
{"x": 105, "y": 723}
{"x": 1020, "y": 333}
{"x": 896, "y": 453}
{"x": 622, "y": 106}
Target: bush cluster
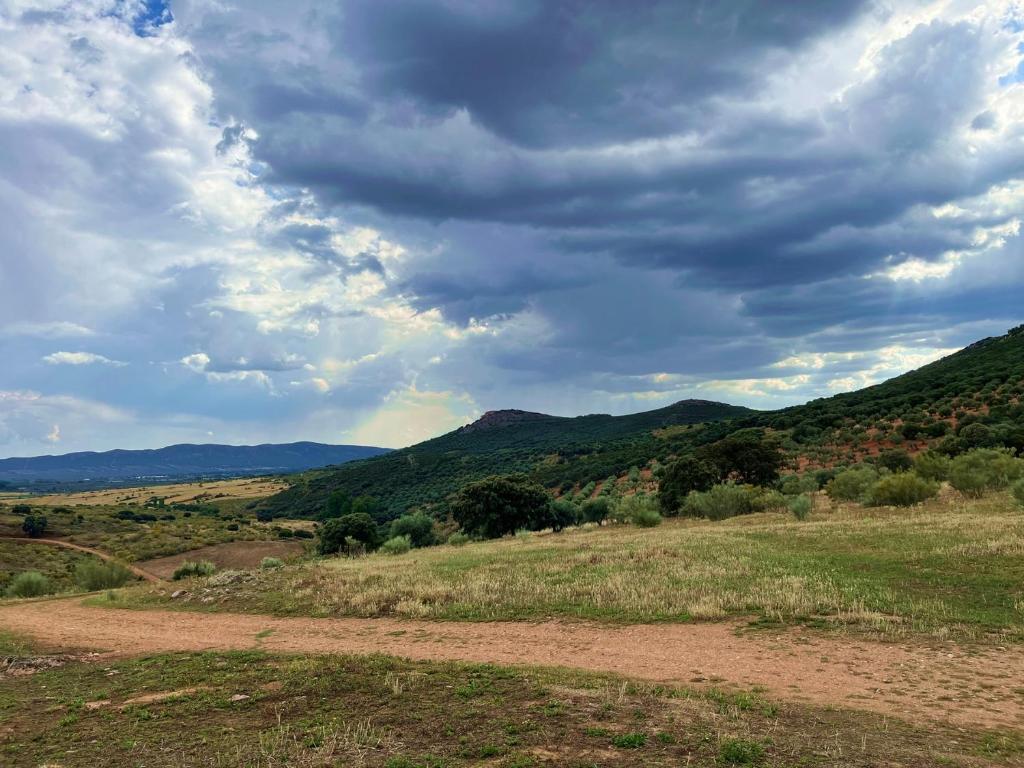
{"x": 904, "y": 489}
{"x": 188, "y": 569}
{"x": 92, "y": 575}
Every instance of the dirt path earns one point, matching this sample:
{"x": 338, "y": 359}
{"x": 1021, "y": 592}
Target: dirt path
{"x": 140, "y": 572}
{"x": 965, "y": 686}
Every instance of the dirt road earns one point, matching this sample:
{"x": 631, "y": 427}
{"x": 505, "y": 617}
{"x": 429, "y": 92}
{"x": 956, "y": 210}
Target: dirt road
{"x": 964, "y": 686}
{"x": 140, "y": 572}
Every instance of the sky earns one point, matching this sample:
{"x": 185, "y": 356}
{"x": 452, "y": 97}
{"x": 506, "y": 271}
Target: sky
{"x": 369, "y": 222}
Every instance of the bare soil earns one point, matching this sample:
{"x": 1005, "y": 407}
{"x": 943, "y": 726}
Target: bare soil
{"x": 242, "y": 555}
{"x": 961, "y": 685}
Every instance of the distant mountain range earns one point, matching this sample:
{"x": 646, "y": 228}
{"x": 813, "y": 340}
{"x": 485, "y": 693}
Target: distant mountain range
{"x": 179, "y": 462}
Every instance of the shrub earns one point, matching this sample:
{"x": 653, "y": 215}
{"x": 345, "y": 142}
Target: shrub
{"x": 188, "y": 569}
{"x": 270, "y": 563}
{"x": 34, "y": 525}
{"x": 740, "y": 752}
{"x": 21, "y": 509}
{"x": 932, "y": 465}
{"x": 418, "y": 528}
{"x": 801, "y": 506}
{"x": 852, "y": 484}
{"x": 396, "y": 545}
{"x": 639, "y": 509}
{"x": 29, "y": 584}
{"x": 984, "y": 469}
{"x": 795, "y": 485}
{"x": 92, "y": 575}
{"x": 895, "y": 460}
{"x": 357, "y": 526}
{"x": 596, "y": 510}
{"x": 1018, "y": 492}
{"x": 721, "y": 502}
{"x": 458, "y": 538}
{"x": 629, "y": 740}
{"x": 902, "y": 490}
{"x": 766, "y": 500}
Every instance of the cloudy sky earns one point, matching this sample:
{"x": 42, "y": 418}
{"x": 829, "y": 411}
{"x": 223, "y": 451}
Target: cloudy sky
{"x": 362, "y": 221}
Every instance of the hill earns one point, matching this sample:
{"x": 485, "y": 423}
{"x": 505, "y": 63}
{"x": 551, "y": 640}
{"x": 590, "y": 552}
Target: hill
{"x": 981, "y": 384}
{"x": 499, "y": 442}
{"x": 180, "y": 461}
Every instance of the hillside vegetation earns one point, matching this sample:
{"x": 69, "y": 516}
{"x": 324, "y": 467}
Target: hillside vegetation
{"x": 970, "y": 399}
{"x": 560, "y": 450}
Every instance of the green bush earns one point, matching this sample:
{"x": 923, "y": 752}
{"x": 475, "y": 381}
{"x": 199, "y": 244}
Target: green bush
{"x": 458, "y": 538}
{"x": 34, "y": 525}
{"x": 638, "y": 509}
{"x": 418, "y": 528}
{"x": 353, "y": 532}
{"x": 852, "y": 484}
{"x": 932, "y": 465}
{"x": 721, "y": 502}
{"x": 901, "y": 490}
{"x": 629, "y": 740}
{"x": 984, "y": 469}
{"x": 895, "y": 460}
{"x": 795, "y": 485}
{"x": 189, "y": 569}
{"x": 270, "y": 563}
{"x": 766, "y": 500}
{"x": 801, "y": 506}
{"x": 29, "y": 584}
{"x": 1018, "y": 492}
{"x": 92, "y": 575}
{"x": 396, "y": 545}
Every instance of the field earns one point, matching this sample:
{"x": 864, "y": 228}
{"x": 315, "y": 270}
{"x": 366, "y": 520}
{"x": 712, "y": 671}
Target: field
{"x": 256, "y": 709}
{"x": 236, "y": 555}
{"x": 950, "y": 568}
{"x": 174, "y": 493}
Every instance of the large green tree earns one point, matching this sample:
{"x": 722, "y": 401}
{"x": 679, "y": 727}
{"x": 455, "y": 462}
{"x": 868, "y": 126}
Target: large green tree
{"x": 337, "y": 534}
{"x": 496, "y": 506}
{"x": 682, "y": 476}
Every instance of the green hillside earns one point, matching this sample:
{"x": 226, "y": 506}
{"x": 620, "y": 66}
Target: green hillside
{"x": 929, "y": 407}
{"x": 562, "y": 450}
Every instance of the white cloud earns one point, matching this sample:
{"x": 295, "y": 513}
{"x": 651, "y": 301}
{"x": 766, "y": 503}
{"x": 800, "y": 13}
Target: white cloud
{"x": 58, "y": 329}
{"x": 409, "y": 416}
{"x": 80, "y": 358}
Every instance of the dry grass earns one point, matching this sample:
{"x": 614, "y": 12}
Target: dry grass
{"x": 175, "y": 493}
{"x": 952, "y": 566}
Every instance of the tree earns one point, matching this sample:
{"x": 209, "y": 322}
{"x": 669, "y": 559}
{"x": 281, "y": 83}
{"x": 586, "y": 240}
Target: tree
{"x": 34, "y": 525}
{"x": 418, "y": 527}
{"x": 365, "y": 505}
{"x": 336, "y": 534}
{"x": 596, "y": 510}
{"x": 339, "y": 504}
{"x": 746, "y": 456}
{"x": 499, "y": 505}
{"x": 562, "y": 514}
{"x": 680, "y": 478}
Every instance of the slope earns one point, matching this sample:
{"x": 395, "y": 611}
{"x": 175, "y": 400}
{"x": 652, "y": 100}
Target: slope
{"x": 499, "y": 442}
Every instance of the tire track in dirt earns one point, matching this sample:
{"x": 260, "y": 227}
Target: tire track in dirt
{"x": 966, "y": 686}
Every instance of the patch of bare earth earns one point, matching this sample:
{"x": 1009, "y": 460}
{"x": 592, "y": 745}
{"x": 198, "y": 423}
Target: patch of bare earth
{"x": 241, "y": 555}
{"x": 958, "y": 684}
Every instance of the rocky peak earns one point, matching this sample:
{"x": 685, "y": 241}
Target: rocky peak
{"x": 503, "y": 419}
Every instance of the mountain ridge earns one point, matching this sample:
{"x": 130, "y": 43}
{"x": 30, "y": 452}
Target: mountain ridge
{"x": 181, "y": 460}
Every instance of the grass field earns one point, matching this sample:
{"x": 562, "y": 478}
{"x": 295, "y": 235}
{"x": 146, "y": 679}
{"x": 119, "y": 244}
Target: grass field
{"x": 56, "y": 563}
{"x": 952, "y": 567}
{"x": 254, "y": 709}
{"x": 173, "y": 493}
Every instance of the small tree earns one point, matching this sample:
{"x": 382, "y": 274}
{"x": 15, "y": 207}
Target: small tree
{"x": 418, "y": 527}
{"x": 596, "y": 510}
{"x": 895, "y": 460}
{"x": 901, "y": 490}
{"x": 34, "y": 525}
{"x": 932, "y": 465}
{"x": 339, "y": 533}
{"x": 680, "y": 478}
{"x": 562, "y": 514}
